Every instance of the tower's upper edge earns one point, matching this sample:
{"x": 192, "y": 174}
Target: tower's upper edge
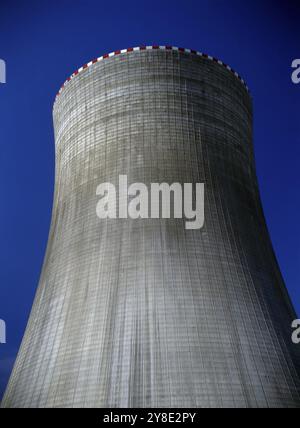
{"x": 144, "y": 48}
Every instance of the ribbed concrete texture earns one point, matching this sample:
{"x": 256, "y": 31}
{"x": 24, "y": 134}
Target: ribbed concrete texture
{"x": 143, "y": 312}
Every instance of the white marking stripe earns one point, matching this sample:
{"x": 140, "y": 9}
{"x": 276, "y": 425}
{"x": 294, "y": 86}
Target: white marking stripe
{"x": 135, "y": 49}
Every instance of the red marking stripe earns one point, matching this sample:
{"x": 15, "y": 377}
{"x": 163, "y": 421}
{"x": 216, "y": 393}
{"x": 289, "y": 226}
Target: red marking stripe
{"x": 168, "y": 47}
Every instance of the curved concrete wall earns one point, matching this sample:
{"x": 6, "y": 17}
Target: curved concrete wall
{"x": 144, "y": 313}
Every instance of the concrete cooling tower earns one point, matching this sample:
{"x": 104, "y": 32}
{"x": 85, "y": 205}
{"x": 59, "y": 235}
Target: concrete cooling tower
{"x": 144, "y": 312}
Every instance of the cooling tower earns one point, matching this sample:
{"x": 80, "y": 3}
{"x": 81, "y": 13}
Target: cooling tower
{"x": 144, "y": 312}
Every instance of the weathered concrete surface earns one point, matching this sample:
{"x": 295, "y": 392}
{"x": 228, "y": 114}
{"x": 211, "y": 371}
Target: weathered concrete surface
{"x": 144, "y": 313}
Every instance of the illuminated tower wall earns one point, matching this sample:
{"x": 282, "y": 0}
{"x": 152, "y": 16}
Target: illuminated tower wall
{"x": 144, "y": 313}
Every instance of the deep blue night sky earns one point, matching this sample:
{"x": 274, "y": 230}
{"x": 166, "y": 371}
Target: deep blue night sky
{"x": 43, "y": 42}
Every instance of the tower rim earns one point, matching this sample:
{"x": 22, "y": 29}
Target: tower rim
{"x": 149, "y": 48}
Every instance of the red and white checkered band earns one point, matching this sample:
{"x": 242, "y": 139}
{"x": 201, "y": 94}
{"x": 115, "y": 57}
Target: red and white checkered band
{"x": 146, "y": 48}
